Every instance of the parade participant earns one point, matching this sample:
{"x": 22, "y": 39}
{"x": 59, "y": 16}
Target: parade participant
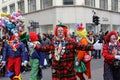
{"x": 63, "y": 54}
{"x": 111, "y": 54}
{"x": 83, "y": 55}
{"x": 13, "y": 56}
{"x": 36, "y": 59}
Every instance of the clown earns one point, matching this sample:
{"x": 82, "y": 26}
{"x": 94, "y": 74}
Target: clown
{"x": 82, "y": 33}
{"x": 63, "y": 58}
{"x": 13, "y": 56}
{"x": 111, "y": 54}
{"x": 36, "y": 59}
{"x": 63, "y": 54}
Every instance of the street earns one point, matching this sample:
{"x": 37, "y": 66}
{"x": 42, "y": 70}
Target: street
{"x": 96, "y": 66}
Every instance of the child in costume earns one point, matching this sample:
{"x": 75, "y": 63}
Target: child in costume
{"x": 36, "y": 59}
{"x": 111, "y": 54}
{"x": 81, "y": 54}
{"x": 13, "y": 56}
{"x": 63, "y": 54}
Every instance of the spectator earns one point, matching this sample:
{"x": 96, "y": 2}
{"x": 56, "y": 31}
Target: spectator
{"x": 46, "y": 41}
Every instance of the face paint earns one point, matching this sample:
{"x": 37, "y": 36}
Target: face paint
{"x": 113, "y": 39}
{"x": 60, "y": 32}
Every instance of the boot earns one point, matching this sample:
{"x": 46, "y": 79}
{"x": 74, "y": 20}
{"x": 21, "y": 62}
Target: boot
{"x": 17, "y": 77}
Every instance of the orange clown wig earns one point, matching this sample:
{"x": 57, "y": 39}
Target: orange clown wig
{"x": 64, "y": 28}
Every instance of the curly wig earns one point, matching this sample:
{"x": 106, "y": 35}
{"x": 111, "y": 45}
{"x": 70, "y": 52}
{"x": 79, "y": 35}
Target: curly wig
{"x": 64, "y": 28}
{"x": 107, "y": 37}
{"x": 33, "y": 36}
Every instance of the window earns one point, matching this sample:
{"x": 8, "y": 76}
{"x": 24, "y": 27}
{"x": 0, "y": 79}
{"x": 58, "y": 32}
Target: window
{"x": 4, "y": 9}
{"x": 3, "y": 1}
{"x": 68, "y": 2}
{"x": 114, "y": 4}
{"x": 90, "y": 3}
{"x": 31, "y": 5}
{"x": 21, "y": 6}
{"x": 12, "y": 8}
{"x": 104, "y": 4}
{"x": 46, "y": 3}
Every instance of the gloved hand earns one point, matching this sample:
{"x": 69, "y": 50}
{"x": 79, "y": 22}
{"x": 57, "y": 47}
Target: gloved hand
{"x": 76, "y": 63}
{"x": 3, "y": 63}
{"x": 50, "y": 56}
{"x": 30, "y": 44}
{"x": 24, "y": 63}
{"x": 117, "y": 57}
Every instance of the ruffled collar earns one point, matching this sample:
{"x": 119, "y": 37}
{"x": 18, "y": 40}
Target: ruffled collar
{"x": 14, "y": 45}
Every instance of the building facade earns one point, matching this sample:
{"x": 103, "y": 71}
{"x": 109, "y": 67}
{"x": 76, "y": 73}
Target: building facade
{"x": 47, "y": 13}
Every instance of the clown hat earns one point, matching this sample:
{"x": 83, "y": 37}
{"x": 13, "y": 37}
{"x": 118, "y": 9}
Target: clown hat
{"x": 33, "y": 36}
{"x": 61, "y": 24}
{"x": 23, "y": 37}
{"x": 80, "y": 27}
{"x": 81, "y": 31}
{"x": 107, "y": 37}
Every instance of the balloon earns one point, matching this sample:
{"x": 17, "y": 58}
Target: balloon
{"x": 9, "y": 25}
{"x": 76, "y": 25}
{"x": 5, "y": 15}
{"x": 17, "y": 14}
{"x": 1, "y": 23}
{"x": 13, "y": 31}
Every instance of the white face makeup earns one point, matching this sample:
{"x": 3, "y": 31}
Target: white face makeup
{"x": 113, "y": 39}
{"x": 16, "y": 39}
{"x": 60, "y": 32}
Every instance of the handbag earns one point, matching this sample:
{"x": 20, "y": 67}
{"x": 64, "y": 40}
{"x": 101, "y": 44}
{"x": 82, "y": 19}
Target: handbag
{"x": 87, "y": 58}
{"x": 81, "y": 67}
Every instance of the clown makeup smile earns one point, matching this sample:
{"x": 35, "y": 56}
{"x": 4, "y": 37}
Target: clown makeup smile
{"x": 60, "y": 32}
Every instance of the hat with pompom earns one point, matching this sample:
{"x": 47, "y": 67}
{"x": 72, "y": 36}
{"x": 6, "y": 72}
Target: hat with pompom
{"x": 81, "y": 31}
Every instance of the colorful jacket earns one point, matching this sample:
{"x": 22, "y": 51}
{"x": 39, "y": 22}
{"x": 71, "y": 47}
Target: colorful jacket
{"x": 107, "y": 53}
{"x": 9, "y": 52}
{"x": 35, "y": 54}
{"x": 81, "y": 54}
